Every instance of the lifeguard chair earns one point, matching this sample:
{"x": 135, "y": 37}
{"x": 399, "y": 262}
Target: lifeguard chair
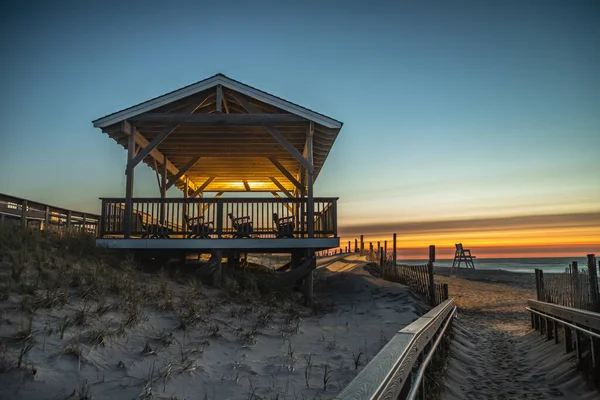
{"x": 461, "y": 255}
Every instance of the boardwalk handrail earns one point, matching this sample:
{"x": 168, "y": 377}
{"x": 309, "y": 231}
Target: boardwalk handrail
{"x": 51, "y": 216}
{"x": 548, "y": 318}
{"x": 389, "y": 374}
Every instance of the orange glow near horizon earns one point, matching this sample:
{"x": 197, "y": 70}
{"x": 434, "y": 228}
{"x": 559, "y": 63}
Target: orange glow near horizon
{"x": 518, "y": 237}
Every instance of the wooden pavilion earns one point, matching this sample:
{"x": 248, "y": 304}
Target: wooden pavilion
{"x": 219, "y": 136}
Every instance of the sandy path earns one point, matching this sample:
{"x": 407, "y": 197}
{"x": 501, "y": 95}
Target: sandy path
{"x": 494, "y": 353}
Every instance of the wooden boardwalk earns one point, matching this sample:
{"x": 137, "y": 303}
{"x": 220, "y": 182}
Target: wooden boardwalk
{"x": 495, "y": 354}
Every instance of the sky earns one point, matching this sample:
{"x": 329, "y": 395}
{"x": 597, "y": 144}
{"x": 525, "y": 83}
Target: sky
{"x": 463, "y": 120}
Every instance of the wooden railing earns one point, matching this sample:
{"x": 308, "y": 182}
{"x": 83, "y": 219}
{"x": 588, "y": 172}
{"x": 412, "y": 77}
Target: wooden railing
{"x": 43, "y": 216}
{"x": 156, "y": 215}
{"x": 577, "y": 288}
{"x": 398, "y": 370}
{"x": 579, "y": 330}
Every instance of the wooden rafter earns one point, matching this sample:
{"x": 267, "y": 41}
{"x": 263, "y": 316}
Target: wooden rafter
{"x": 202, "y": 187}
{"x": 162, "y": 136}
{"x": 285, "y": 172}
{"x": 155, "y": 153}
{"x": 276, "y": 134}
{"x": 157, "y": 174}
{"x": 247, "y": 186}
{"x": 281, "y": 187}
{"x": 182, "y": 171}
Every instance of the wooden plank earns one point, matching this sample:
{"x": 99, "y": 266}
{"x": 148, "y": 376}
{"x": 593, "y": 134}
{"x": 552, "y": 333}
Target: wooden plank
{"x": 182, "y": 171}
{"x": 285, "y": 172}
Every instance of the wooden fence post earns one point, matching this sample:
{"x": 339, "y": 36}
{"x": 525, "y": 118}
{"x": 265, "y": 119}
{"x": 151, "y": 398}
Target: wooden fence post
{"x": 362, "y": 245}
{"x": 431, "y": 283}
{"x": 394, "y": 255}
{"x": 385, "y": 249}
{"x": 593, "y": 275}
{"x": 575, "y": 284}
{"x": 356, "y": 245}
{"x": 445, "y": 291}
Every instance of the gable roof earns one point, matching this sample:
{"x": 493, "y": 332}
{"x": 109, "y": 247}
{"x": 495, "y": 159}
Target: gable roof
{"x": 218, "y": 79}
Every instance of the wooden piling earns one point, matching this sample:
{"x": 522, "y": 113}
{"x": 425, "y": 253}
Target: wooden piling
{"x": 24, "y": 214}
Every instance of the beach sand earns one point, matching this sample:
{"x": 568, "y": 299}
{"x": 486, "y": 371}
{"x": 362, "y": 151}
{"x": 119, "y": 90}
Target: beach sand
{"x": 494, "y": 352}
{"x": 228, "y": 348}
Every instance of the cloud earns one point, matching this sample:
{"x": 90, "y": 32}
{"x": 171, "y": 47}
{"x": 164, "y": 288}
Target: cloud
{"x": 514, "y": 223}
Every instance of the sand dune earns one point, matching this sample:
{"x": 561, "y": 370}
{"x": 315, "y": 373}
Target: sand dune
{"x": 231, "y": 348}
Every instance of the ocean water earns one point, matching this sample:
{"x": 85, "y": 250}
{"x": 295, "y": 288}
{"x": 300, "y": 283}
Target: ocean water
{"x": 549, "y": 264}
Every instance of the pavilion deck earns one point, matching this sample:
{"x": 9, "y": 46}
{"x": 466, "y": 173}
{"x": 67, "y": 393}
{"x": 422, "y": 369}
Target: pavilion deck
{"x": 160, "y": 223}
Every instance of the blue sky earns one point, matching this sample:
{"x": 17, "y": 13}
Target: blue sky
{"x": 463, "y": 110}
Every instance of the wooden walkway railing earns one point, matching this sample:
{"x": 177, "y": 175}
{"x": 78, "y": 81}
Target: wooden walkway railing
{"x": 574, "y": 288}
{"x": 398, "y": 371}
{"x": 579, "y": 330}
{"x": 44, "y": 216}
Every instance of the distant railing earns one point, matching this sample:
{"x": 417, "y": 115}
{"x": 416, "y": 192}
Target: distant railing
{"x": 398, "y": 371}
{"x": 37, "y": 215}
{"x": 156, "y": 216}
{"x": 574, "y": 288}
{"x": 418, "y": 277}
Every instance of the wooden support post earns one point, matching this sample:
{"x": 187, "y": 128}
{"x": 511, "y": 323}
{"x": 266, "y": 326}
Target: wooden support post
{"x": 568, "y": 339}
{"x": 47, "y": 218}
{"x": 308, "y": 280}
{"x": 593, "y": 277}
{"x": 24, "y": 214}
{"x": 371, "y": 255}
{"x": 69, "y": 217}
{"x": 378, "y": 247}
{"x": 394, "y": 255}
{"x": 555, "y": 326}
{"x": 549, "y": 329}
{"x": 349, "y": 248}
{"x": 163, "y": 191}
{"x": 218, "y": 275}
{"x": 129, "y": 182}
{"x": 310, "y": 204}
{"x": 356, "y": 245}
{"x": 83, "y": 221}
